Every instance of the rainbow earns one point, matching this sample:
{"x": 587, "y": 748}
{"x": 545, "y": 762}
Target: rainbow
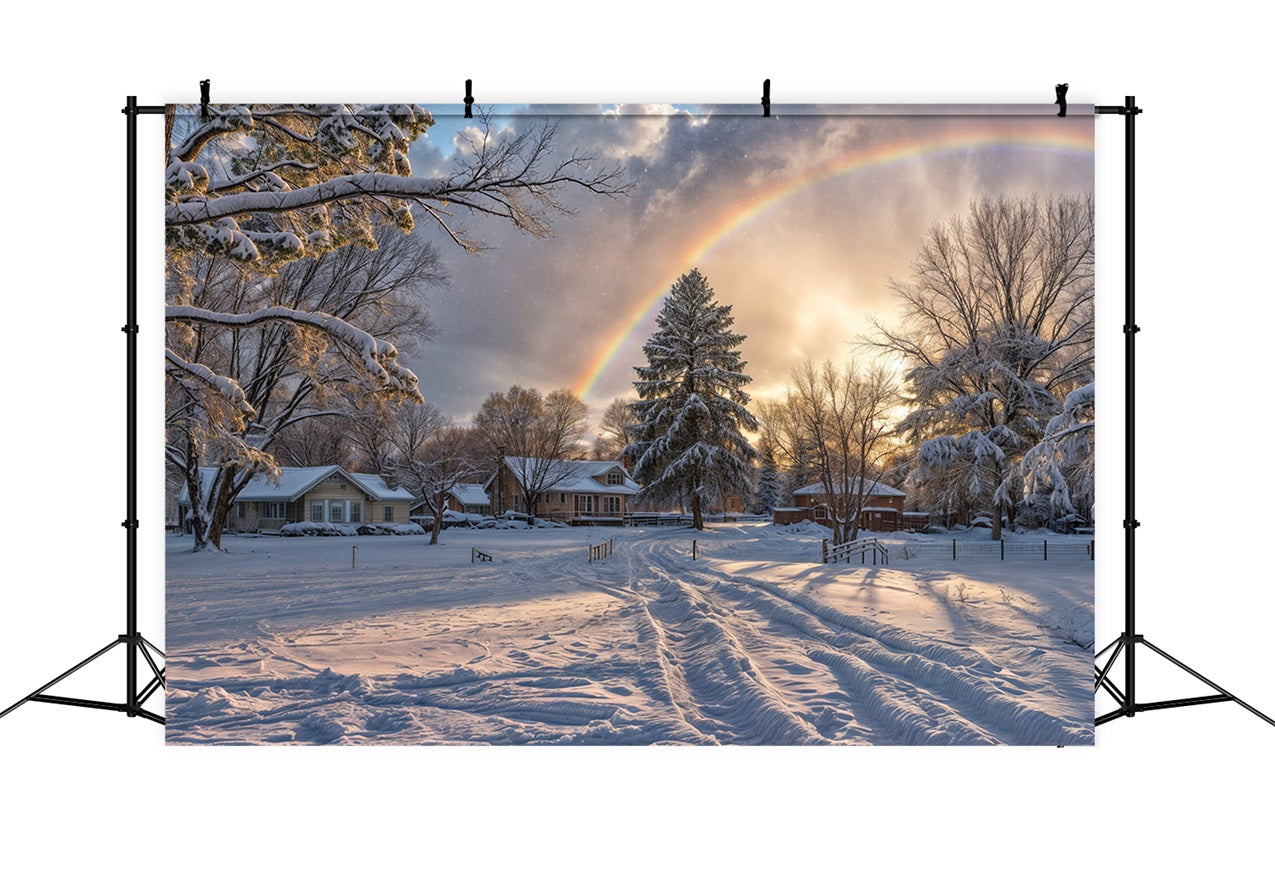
{"x": 1077, "y": 138}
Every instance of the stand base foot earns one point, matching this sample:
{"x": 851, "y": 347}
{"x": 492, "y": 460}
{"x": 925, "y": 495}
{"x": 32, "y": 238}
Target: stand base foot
{"x": 137, "y": 645}
{"x": 1128, "y": 706}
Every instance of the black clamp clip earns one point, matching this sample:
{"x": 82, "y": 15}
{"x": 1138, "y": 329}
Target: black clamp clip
{"x": 204, "y": 87}
{"x": 765, "y": 98}
{"x": 1060, "y": 100}
{"x": 469, "y": 98}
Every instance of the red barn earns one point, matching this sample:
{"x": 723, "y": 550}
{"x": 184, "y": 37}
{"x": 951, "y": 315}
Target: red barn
{"x": 883, "y": 511}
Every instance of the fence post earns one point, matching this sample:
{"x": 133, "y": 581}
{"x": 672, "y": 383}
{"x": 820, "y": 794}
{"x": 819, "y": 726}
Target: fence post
{"x": 1091, "y": 549}
{"x": 695, "y": 549}
{"x": 1046, "y": 546}
{"x": 353, "y": 550}
{"x": 954, "y": 549}
{"x": 825, "y": 551}
{"x": 1002, "y": 549}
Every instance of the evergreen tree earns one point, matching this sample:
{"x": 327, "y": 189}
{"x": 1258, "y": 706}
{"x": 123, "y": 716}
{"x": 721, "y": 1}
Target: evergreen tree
{"x": 690, "y": 407}
{"x": 768, "y": 486}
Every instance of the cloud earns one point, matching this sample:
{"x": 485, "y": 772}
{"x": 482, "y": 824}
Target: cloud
{"x": 804, "y": 259}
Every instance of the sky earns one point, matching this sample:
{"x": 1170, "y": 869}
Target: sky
{"x": 797, "y": 221}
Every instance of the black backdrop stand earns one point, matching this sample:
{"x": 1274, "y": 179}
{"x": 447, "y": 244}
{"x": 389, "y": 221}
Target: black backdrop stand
{"x": 135, "y": 645}
{"x": 1129, "y": 640}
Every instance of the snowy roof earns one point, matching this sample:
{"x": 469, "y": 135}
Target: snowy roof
{"x": 470, "y": 493}
{"x": 580, "y": 475}
{"x": 378, "y": 488}
{"x": 857, "y": 483}
{"x": 296, "y": 482}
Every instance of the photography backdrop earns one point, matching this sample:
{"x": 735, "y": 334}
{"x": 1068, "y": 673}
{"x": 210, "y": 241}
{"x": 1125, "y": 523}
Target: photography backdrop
{"x": 725, "y": 428}
{"x": 991, "y": 50}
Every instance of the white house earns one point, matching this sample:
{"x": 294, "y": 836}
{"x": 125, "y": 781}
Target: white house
{"x": 324, "y": 494}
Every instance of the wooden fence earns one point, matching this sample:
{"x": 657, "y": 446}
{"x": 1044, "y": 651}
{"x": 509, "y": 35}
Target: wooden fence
{"x": 861, "y": 548}
{"x": 602, "y": 550}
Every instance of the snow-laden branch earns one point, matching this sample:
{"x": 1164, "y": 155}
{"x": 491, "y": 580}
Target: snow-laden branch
{"x": 339, "y": 188}
{"x": 227, "y": 387}
{"x": 379, "y": 358}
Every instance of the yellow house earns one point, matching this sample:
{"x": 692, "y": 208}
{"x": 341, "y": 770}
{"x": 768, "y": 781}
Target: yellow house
{"x": 325, "y": 494}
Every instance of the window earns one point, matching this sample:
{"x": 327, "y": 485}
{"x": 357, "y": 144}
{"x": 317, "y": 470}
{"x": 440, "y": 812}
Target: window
{"x": 584, "y": 504}
{"x": 316, "y": 511}
{"x": 336, "y": 512}
{"x": 562, "y": 498}
{"x": 356, "y": 511}
{"x": 611, "y": 504}
{"x": 241, "y": 510}
{"x": 388, "y": 513}
{"x": 615, "y": 478}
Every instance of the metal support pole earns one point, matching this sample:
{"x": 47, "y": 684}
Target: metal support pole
{"x": 130, "y": 330}
{"x": 134, "y": 644}
{"x": 1129, "y": 640}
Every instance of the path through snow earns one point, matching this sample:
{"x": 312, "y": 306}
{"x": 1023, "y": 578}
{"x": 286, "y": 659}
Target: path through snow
{"x": 754, "y": 643}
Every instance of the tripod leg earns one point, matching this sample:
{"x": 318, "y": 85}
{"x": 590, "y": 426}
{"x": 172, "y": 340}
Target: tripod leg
{"x": 62, "y": 676}
{"x": 1203, "y": 679}
{"x": 1118, "y": 643}
{"x": 155, "y": 669}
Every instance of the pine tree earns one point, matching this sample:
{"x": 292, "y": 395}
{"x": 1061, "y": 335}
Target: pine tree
{"x": 768, "y": 487}
{"x": 690, "y": 407}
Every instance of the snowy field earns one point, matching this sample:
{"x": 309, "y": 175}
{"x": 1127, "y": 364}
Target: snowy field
{"x": 756, "y": 642}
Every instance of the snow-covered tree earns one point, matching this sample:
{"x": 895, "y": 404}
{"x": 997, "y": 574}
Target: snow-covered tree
{"x": 1061, "y": 467}
{"x": 526, "y": 436}
{"x": 264, "y": 185}
{"x": 691, "y": 402}
{"x": 769, "y": 490}
{"x": 432, "y": 455}
{"x": 997, "y": 328}
{"x": 358, "y": 305}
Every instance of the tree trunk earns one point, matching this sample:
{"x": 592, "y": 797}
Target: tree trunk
{"x": 223, "y": 494}
{"x": 217, "y": 524}
{"x": 194, "y": 489}
{"x": 439, "y": 501}
{"x": 996, "y": 520}
{"x": 697, "y": 513}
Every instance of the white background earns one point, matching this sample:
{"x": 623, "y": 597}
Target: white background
{"x": 1178, "y": 788}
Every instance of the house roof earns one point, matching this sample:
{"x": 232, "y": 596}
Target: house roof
{"x": 579, "y": 476}
{"x": 378, "y": 488}
{"x": 296, "y": 482}
{"x": 465, "y": 493}
{"x": 857, "y": 483}
{"x": 470, "y": 493}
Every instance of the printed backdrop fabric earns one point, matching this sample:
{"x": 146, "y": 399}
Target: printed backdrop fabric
{"x": 630, "y": 424}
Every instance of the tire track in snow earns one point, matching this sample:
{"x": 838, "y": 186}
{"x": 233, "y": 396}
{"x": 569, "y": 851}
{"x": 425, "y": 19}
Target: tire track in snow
{"x": 923, "y": 678}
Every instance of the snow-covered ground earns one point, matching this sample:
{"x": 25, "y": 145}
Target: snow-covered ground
{"x": 756, "y": 642}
